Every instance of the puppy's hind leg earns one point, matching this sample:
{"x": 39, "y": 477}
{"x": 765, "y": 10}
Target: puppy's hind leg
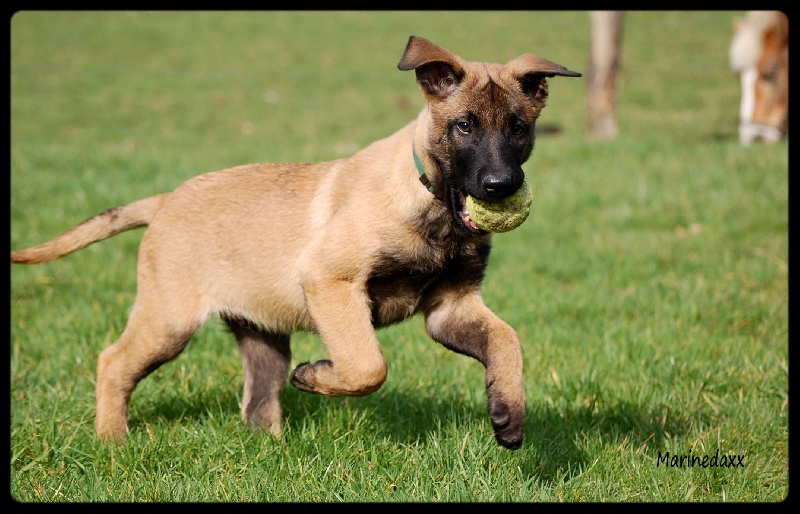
{"x": 147, "y": 342}
{"x": 265, "y": 359}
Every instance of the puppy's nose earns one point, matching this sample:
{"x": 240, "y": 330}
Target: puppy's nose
{"x": 499, "y": 186}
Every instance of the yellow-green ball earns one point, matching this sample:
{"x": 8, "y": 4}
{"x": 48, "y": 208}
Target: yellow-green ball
{"x": 502, "y": 215}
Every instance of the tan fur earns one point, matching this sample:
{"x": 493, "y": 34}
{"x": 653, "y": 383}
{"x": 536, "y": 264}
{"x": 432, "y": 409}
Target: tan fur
{"x": 759, "y": 54}
{"x": 338, "y": 247}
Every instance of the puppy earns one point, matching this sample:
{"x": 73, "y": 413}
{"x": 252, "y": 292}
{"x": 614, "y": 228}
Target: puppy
{"x": 339, "y": 248}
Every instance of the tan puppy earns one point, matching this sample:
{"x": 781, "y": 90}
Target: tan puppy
{"x": 340, "y": 248}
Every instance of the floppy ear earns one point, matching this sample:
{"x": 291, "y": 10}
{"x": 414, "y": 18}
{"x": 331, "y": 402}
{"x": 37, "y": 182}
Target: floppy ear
{"x": 438, "y": 71}
{"x": 531, "y": 70}
{"x": 527, "y": 64}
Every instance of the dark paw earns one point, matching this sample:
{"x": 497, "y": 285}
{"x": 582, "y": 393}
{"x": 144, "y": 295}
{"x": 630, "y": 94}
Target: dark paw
{"x": 300, "y": 377}
{"x": 303, "y": 376}
{"x": 508, "y": 426}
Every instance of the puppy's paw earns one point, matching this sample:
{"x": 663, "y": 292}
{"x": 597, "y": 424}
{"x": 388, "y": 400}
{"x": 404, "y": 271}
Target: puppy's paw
{"x": 508, "y": 425}
{"x": 304, "y": 376}
{"x": 266, "y": 417}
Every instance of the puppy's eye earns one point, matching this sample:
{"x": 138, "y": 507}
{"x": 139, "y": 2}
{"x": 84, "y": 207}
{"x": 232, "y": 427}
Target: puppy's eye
{"x": 518, "y": 128}
{"x": 464, "y": 126}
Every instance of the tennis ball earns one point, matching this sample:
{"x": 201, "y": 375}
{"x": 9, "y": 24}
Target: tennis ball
{"x": 501, "y": 215}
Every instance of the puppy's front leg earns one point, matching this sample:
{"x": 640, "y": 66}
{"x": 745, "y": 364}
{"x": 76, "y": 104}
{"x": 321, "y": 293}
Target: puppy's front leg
{"x": 342, "y": 318}
{"x": 465, "y": 325}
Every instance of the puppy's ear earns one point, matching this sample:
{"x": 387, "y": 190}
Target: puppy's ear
{"x": 527, "y": 64}
{"x": 531, "y": 71}
{"x": 438, "y": 71}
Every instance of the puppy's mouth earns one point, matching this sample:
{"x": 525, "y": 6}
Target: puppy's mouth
{"x": 456, "y": 197}
{"x": 461, "y": 215}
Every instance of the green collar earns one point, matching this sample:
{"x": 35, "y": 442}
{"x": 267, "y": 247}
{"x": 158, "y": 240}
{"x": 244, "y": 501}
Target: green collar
{"x": 422, "y": 177}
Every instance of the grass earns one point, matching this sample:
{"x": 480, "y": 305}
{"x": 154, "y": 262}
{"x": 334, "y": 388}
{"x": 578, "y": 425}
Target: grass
{"x": 649, "y": 286}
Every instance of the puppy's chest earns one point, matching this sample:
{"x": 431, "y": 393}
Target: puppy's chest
{"x": 398, "y": 282}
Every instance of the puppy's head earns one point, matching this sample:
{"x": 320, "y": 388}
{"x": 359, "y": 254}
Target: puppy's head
{"x": 481, "y": 119}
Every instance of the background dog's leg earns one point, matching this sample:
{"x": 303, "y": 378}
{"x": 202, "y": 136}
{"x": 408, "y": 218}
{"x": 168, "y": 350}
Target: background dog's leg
{"x": 265, "y": 359}
{"x": 465, "y": 325}
{"x": 145, "y": 344}
{"x": 343, "y": 321}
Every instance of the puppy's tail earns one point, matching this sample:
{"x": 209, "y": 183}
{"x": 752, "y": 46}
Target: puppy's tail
{"x": 97, "y": 228}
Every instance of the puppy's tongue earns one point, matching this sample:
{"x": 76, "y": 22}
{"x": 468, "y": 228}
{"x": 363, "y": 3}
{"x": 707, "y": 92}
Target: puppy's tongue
{"x": 464, "y": 213}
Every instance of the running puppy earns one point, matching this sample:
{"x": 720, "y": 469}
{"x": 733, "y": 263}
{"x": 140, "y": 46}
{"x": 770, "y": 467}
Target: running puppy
{"x": 278, "y": 248}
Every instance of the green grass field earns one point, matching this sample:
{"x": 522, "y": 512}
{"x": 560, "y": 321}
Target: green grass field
{"x": 649, "y": 286}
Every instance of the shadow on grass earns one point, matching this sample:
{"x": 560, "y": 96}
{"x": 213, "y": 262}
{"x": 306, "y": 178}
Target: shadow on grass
{"x": 553, "y": 450}
{"x": 554, "y": 447}
{"x": 559, "y": 434}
